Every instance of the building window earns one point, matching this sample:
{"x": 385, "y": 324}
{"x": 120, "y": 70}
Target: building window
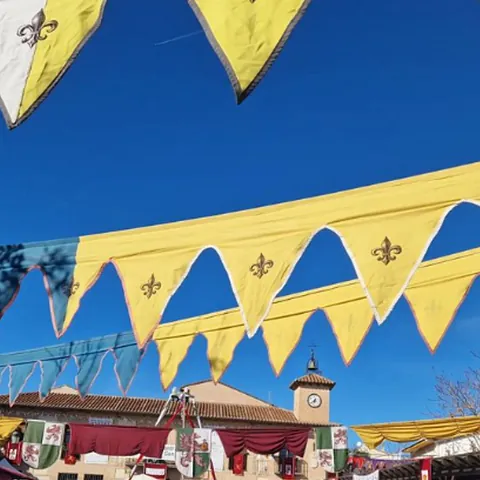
{"x": 262, "y": 465}
{"x": 89, "y": 476}
{"x": 67, "y": 476}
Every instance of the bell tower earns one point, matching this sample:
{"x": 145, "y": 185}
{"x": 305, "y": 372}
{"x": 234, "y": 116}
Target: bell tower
{"x": 311, "y": 394}
{"x": 312, "y": 365}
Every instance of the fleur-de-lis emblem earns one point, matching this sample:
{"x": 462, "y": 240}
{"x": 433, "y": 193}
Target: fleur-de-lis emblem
{"x": 151, "y": 287}
{"x": 387, "y": 252}
{"x": 262, "y": 266}
{"x": 70, "y": 288}
{"x": 38, "y": 29}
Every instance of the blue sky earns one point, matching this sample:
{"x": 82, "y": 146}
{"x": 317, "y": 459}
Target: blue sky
{"x": 136, "y": 135}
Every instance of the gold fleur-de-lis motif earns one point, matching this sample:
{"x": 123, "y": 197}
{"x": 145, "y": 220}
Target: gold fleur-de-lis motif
{"x": 387, "y": 252}
{"x": 151, "y": 287}
{"x": 262, "y": 266}
{"x": 70, "y": 288}
{"x": 38, "y": 29}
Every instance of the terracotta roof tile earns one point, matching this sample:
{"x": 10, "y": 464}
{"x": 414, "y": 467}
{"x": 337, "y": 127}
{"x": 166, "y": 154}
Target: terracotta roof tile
{"x": 312, "y": 379}
{"x": 153, "y": 406}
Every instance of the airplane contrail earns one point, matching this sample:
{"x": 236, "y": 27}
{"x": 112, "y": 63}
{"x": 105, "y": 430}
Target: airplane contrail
{"x": 180, "y": 37}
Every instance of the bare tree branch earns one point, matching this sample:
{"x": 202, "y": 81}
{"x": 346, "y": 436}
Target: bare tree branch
{"x": 459, "y": 398}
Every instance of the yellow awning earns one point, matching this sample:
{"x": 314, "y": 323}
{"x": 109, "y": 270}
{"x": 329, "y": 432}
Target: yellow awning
{"x": 412, "y": 449}
{"x": 402, "y": 432}
{"x": 7, "y": 426}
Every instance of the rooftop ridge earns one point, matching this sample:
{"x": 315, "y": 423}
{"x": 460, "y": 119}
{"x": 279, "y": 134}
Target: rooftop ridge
{"x": 312, "y": 379}
{"x": 117, "y": 405}
{"x": 155, "y": 399}
{"x": 77, "y": 394}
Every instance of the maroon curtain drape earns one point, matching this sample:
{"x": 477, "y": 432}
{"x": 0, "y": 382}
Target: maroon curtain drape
{"x": 116, "y": 441}
{"x": 265, "y": 441}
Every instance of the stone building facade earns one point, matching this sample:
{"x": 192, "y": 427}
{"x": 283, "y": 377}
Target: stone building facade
{"x": 219, "y": 405}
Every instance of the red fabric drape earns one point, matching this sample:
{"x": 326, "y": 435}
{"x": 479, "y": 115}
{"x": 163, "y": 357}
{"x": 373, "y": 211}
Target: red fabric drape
{"x": 265, "y": 441}
{"x": 116, "y": 441}
{"x": 426, "y": 468}
{"x": 238, "y": 461}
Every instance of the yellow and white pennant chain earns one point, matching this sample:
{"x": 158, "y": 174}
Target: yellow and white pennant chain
{"x": 39, "y": 39}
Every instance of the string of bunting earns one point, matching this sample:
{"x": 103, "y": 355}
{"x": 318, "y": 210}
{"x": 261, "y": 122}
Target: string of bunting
{"x": 39, "y": 40}
{"x": 259, "y": 249}
{"x": 435, "y": 293}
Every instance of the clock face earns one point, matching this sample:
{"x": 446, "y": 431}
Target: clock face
{"x": 314, "y": 400}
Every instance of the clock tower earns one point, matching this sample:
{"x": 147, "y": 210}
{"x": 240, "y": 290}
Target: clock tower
{"x": 312, "y": 395}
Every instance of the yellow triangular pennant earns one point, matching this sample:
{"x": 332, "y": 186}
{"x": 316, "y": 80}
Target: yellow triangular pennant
{"x": 43, "y": 39}
{"x": 259, "y": 270}
{"x": 172, "y": 350}
{"x": 281, "y": 335}
{"x": 149, "y": 281}
{"x": 84, "y": 277}
{"x": 222, "y": 344}
{"x": 387, "y": 249}
{"x": 248, "y": 35}
{"x": 283, "y": 327}
{"x": 350, "y": 316}
{"x": 437, "y": 291}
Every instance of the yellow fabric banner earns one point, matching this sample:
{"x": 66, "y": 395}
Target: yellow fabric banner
{"x": 402, "y": 432}
{"x": 223, "y": 330}
{"x": 7, "y": 426}
{"x": 248, "y": 35}
{"x": 346, "y": 308}
{"x": 260, "y": 247}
